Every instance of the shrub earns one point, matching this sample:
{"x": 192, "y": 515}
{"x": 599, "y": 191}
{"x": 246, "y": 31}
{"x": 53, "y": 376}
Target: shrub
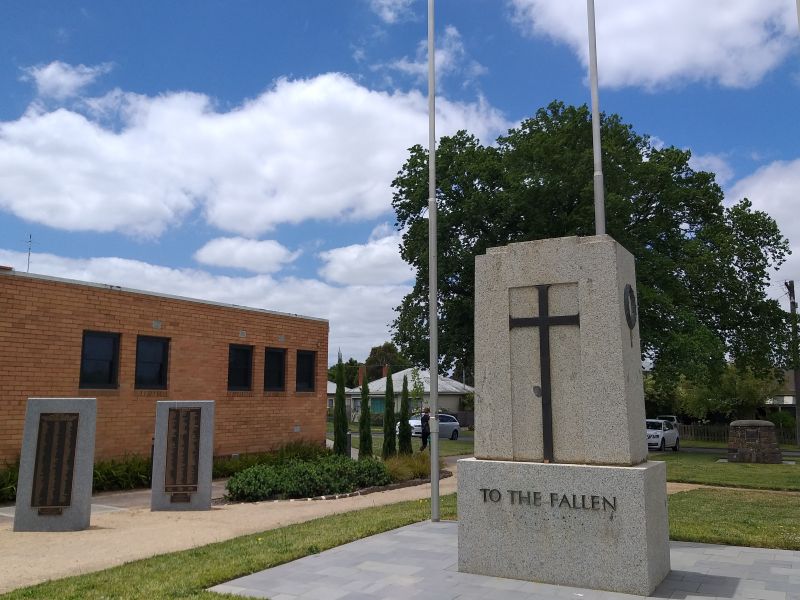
{"x": 8, "y": 482}
{"x": 364, "y": 424}
{"x": 404, "y": 436}
{"x": 127, "y": 473}
{"x": 409, "y": 466}
{"x": 332, "y": 474}
{"x": 389, "y": 434}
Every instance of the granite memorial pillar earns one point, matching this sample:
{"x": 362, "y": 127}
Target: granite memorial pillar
{"x": 560, "y": 490}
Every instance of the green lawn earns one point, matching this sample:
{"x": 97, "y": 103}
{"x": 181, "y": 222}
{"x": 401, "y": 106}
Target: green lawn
{"x": 759, "y": 519}
{"x": 685, "y": 467}
{"x": 736, "y": 517}
{"x": 446, "y": 447}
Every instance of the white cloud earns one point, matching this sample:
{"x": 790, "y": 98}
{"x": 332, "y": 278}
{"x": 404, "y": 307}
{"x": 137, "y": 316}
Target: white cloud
{"x": 60, "y": 80}
{"x": 391, "y": 11}
{"x": 318, "y": 148}
{"x": 451, "y": 59}
{"x": 714, "y": 163}
{"x": 359, "y": 316}
{"x": 775, "y": 189}
{"x": 375, "y": 263}
{"x": 668, "y": 42}
{"x": 258, "y": 256}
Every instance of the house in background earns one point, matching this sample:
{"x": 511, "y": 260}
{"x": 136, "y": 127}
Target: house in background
{"x": 786, "y": 398}
{"x": 452, "y": 393}
{"x": 352, "y": 399}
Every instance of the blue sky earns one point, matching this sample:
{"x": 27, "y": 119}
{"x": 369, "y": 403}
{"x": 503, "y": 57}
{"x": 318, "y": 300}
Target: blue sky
{"x": 243, "y": 151}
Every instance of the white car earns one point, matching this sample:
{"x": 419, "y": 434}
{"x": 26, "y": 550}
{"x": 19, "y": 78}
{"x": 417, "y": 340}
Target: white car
{"x": 661, "y": 435}
{"x": 448, "y": 426}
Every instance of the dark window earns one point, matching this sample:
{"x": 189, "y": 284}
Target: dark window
{"x": 240, "y": 367}
{"x": 152, "y": 354}
{"x": 275, "y": 370}
{"x": 99, "y": 360}
{"x": 305, "y": 370}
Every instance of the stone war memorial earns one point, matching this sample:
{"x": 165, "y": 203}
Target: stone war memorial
{"x": 54, "y": 489}
{"x": 560, "y": 490}
{"x": 183, "y": 455}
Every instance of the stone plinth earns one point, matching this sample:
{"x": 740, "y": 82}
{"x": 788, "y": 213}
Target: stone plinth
{"x": 595, "y": 366}
{"x": 54, "y": 490}
{"x": 183, "y": 455}
{"x": 602, "y": 528}
{"x": 753, "y": 442}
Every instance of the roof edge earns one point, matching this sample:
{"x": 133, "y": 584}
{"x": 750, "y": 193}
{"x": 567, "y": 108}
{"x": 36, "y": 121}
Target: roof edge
{"x": 117, "y": 288}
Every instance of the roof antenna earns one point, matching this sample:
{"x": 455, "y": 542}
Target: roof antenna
{"x": 30, "y": 243}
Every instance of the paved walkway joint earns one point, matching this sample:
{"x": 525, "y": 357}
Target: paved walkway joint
{"x": 420, "y": 562}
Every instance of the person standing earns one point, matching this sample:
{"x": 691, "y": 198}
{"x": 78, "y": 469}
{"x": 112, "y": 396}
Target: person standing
{"x": 426, "y": 427}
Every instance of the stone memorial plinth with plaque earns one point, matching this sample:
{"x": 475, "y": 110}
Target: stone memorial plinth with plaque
{"x": 560, "y": 490}
{"x": 183, "y": 455}
{"x": 54, "y": 489}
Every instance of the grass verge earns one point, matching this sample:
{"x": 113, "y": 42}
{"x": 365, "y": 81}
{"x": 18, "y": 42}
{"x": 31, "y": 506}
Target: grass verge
{"x": 446, "y": 447}
{"x": 188, "y": 573}
{"x": 736, "y": 518}
{"x": 685, "y": 467}
{"x": 723, "y": 446}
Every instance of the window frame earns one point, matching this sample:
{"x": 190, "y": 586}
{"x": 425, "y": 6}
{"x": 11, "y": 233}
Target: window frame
{"x": 313, "y": 354}
{"x": 273, "y": 350}
{"x": 114, "y": 361}
{"x": 238, "y": 388}
{"x": 165, "y": 368}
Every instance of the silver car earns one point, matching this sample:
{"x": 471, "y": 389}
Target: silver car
{"x": 448, "y": 426}
{"x": 662, "y": 434}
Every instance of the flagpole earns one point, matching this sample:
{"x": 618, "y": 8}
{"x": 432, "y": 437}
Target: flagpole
{"x": 599, "y": 194}
{"x": 432, "y": 270}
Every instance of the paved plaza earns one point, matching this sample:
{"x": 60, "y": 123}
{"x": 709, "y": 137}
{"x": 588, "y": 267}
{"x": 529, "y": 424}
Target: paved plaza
{"x": 419, "y": 562}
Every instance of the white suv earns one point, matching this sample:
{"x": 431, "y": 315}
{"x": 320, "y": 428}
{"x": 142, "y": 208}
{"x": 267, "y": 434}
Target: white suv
{"x": 661, "y": 435}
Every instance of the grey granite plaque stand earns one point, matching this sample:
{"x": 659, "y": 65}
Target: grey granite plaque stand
{"x": 54, "y": 490}
{"x": 560, "y": 490}
{"x": 183, "y": 455}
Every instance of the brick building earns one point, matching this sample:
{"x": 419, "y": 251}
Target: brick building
{"x": 266, "y": 370}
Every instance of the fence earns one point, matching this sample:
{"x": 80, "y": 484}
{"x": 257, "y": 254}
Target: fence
{"x": 719, "y": 433}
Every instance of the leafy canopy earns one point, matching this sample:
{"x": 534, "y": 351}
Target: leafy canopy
{"x": 702, "y": 267}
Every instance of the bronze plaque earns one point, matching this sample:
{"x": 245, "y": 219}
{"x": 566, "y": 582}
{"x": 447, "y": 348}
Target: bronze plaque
{"x": 183, "y": 450}
{"x": 55, "y": 462}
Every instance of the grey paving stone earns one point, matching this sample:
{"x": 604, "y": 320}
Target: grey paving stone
{"x": 394, "y": 566}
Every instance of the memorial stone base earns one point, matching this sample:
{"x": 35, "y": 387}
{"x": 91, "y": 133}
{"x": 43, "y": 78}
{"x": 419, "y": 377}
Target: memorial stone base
{"x": 596, "y": 527}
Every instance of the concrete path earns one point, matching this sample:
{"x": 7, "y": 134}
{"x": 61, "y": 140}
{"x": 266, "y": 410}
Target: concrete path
{"x": 419, "y": 562}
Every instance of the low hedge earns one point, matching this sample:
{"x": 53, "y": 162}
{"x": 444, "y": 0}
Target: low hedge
{"x": 135, "y": 472}
{"x": 295, "y": 478}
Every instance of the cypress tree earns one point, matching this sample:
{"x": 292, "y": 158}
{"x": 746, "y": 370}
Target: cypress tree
{"x": 365, "y": 424}
{"x": 389, "y": 434}
{"x": 404, "y": 436}
{"x": 340, "y": 414}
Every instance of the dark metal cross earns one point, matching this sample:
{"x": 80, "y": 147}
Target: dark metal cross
{"x": 544, "y": 321}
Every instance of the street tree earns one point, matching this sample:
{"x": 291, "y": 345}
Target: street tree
{"x": 386, "y": 354}
{"x": 340, "y": 424}
{"x": 350, "y": 373}
{"x": 389, "y": 433}
{"x": 365, "y": 424}
{"x": 404, "y": 433}
{"x": 702, "y": 266}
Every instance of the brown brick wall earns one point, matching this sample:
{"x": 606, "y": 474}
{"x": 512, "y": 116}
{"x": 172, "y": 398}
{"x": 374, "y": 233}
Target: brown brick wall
{"x": 41, "y": 331}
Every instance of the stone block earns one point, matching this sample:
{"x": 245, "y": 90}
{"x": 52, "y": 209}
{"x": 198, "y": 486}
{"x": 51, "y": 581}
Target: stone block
{"x": 596, "y": 372}
{"x": 753, "y": 441}
{"x": 54, "y": 490}
{"x": 586, "y": 526}
{"x": 183, "y": 455}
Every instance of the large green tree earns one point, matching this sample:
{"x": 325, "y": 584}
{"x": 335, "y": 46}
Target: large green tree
{"x": 386, "y": 354}
{"x": 702, "y": 266}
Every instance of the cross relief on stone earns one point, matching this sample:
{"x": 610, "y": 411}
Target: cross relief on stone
{"x": 544, "y": 322}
